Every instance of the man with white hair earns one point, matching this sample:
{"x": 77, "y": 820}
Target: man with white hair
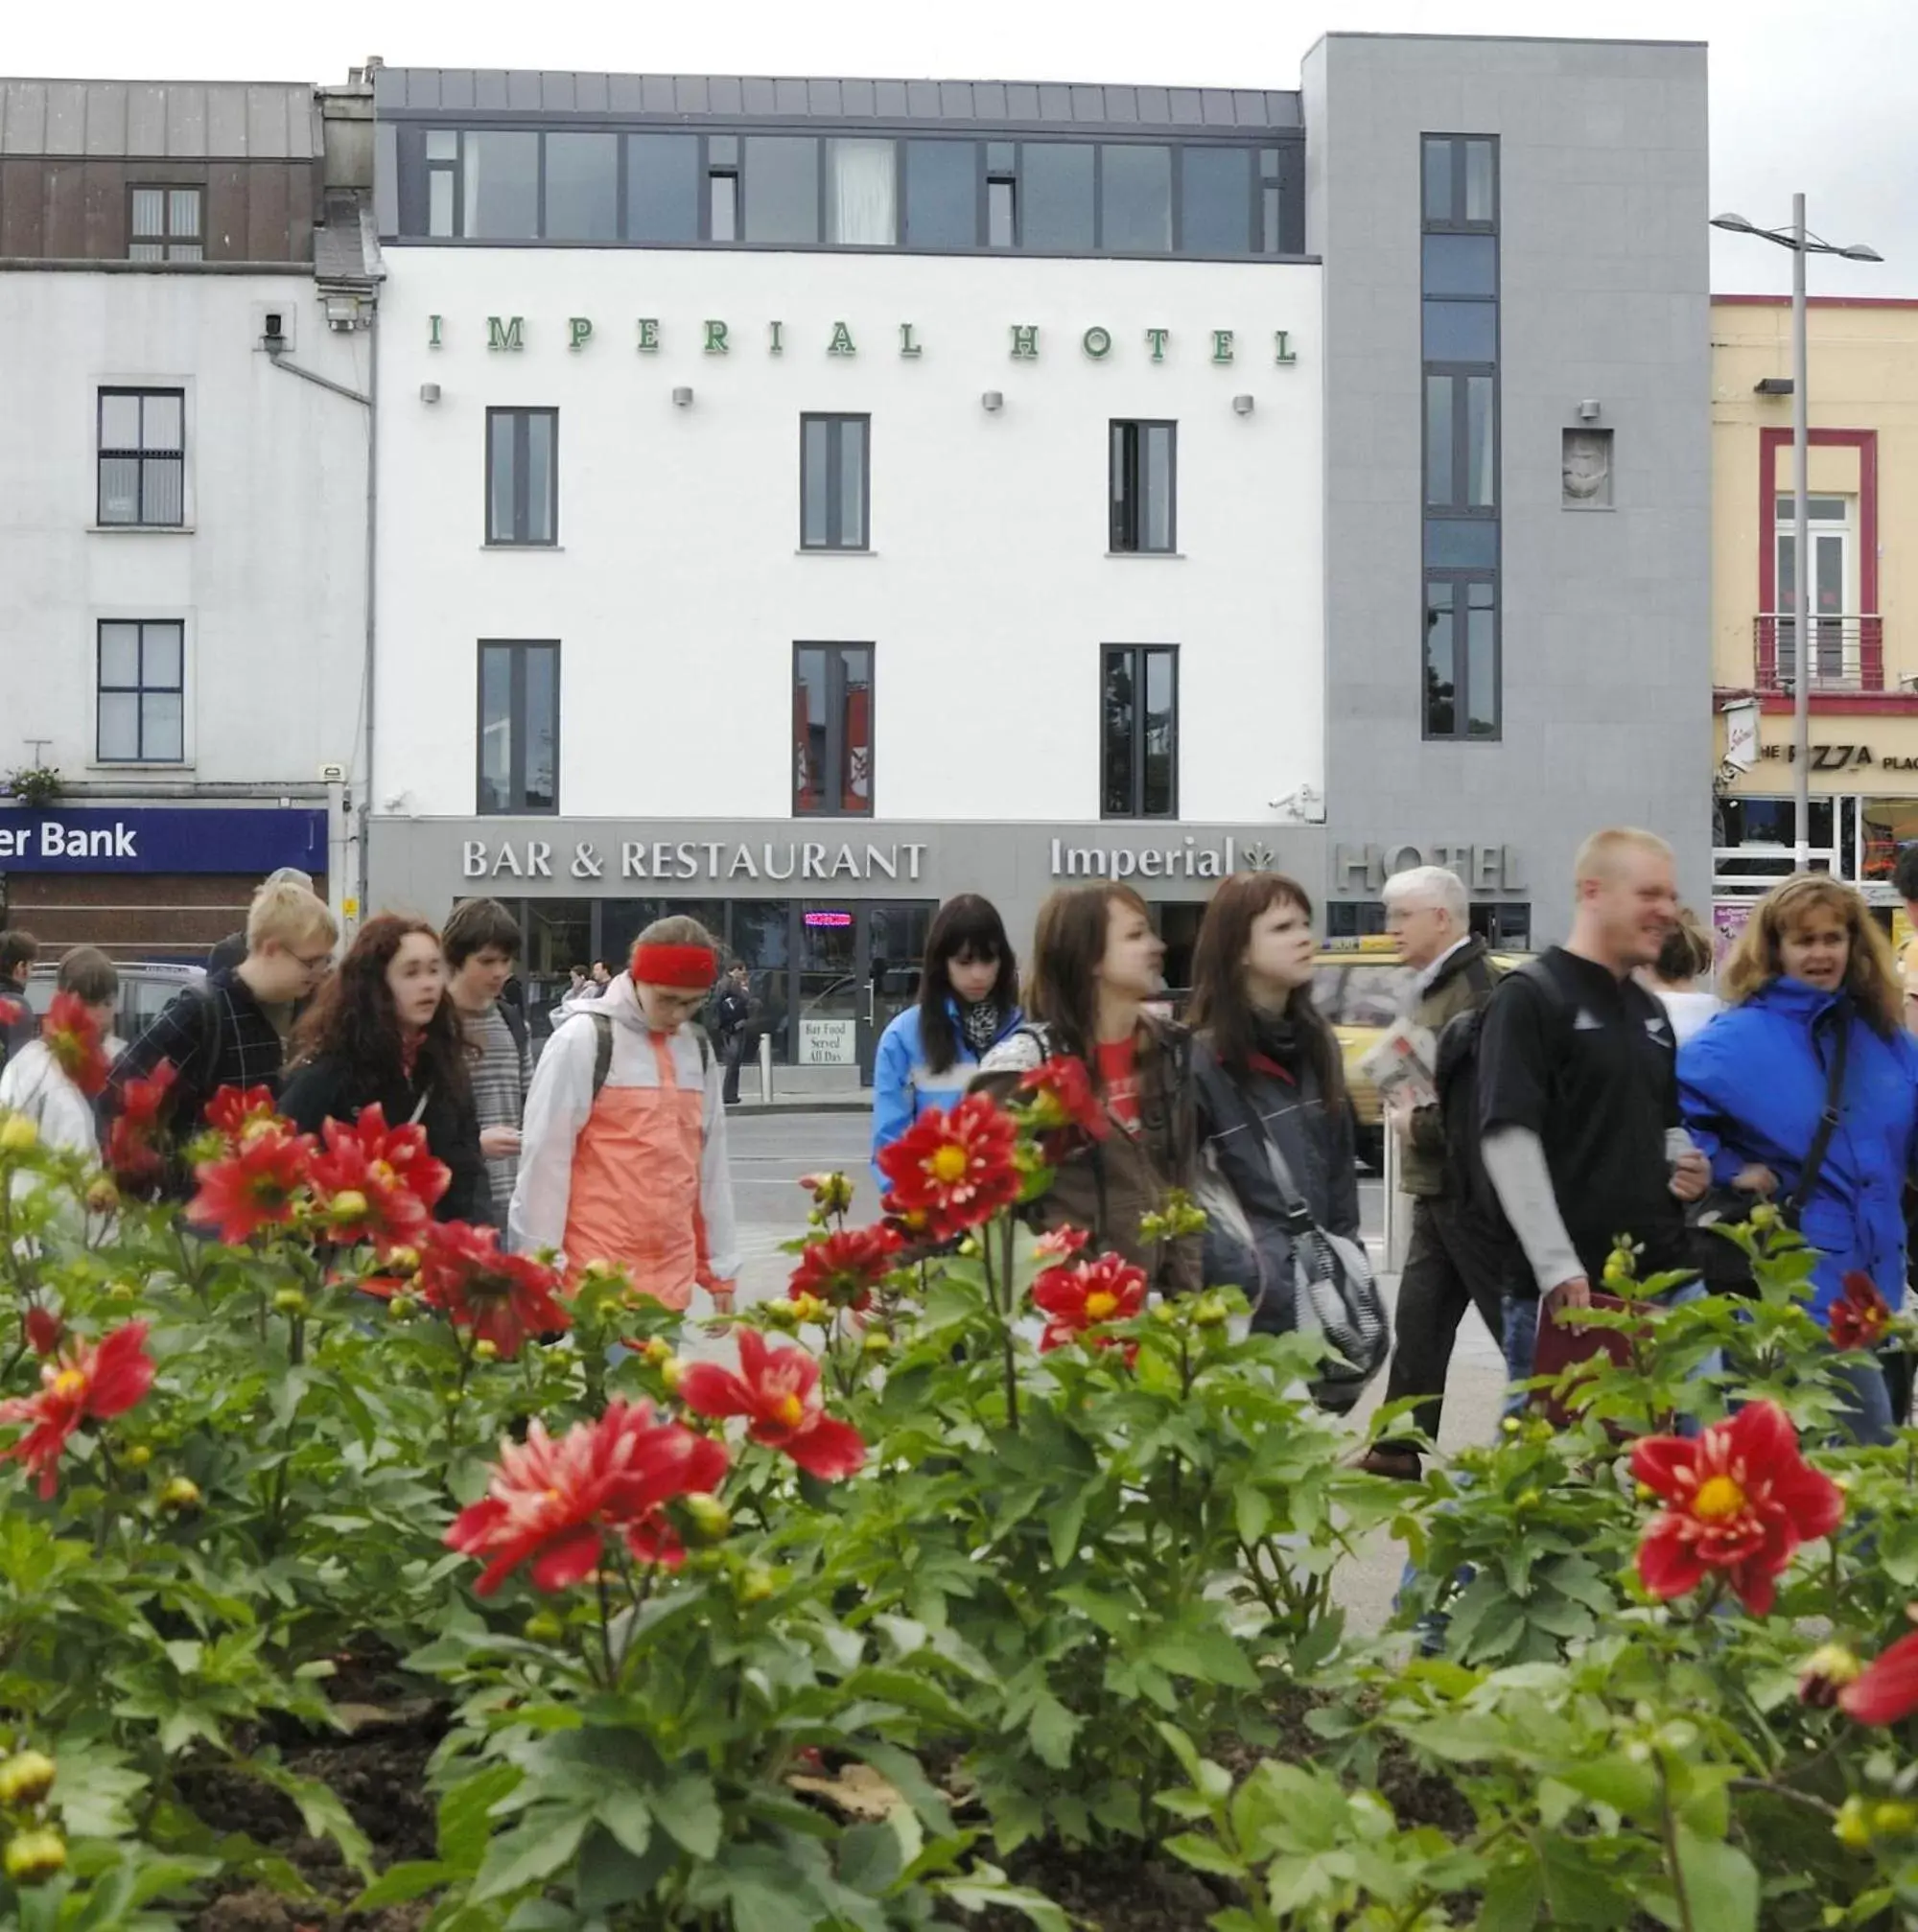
{"x": 1448, "y": 1267}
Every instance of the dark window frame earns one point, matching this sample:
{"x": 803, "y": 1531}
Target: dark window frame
{"x": 1457, "y": 503}
{"x": 521, "y": 419}
{"x": 1126, "y": 512}
{"x": 1136, "y": 655}
{"x": 173, "y": 246}
{"x": 144, "y": 456}
{"x": 139, "y": 691}
{"x": 832, "y": 792}
{"x": 1460, "y": 582}
{"x": 520, "y": 650}
{"x": 836, "y": 423}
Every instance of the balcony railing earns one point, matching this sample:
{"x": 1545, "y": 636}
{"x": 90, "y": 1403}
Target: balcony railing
{"x": 1845, "y": 654}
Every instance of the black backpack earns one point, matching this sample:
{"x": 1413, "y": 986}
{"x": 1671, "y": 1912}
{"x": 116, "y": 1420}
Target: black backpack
{"x": 1456, "y": 1076}
{"x": 602, "y": 1050}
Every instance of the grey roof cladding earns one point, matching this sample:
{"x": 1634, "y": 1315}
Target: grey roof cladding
{"x": 407, "y": 91}
{"x": 161, "y": 119}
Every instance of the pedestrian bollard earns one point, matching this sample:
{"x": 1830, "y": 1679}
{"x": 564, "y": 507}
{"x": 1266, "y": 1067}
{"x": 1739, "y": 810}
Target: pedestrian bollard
{"x": 1397, "y": 1208}
{"x": 765, "y": 1068}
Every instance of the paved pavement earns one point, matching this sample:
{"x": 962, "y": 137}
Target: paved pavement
{"x": 770, "y": 1151}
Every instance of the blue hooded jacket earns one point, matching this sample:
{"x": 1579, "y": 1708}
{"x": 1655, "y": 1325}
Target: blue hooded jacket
{"x": 1752, "y": 1085}
{"x": 904, "y": 1086}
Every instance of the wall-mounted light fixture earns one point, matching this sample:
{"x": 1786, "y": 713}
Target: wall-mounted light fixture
{"x": 993, "y": 402}
{"x": 1588, "y": 410}
{"x": 1242, "y": 406}
{"x": 681, "y": 398}
{"x": 428, "y": 393}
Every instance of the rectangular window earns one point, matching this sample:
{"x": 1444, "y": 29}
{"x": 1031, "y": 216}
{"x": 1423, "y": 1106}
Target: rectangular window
{"x": 1135, "y": 200}
{"x": 1143, "y": 488}
{"x": 722, "y": 187}
{"x": 1462, "y": 668}
{"x": 143, "y": 457}
{"x": 1215, "y": 208}
{"x": 832, "y": 482}
{"x": 1281, "y": 200}
{"x": 942, "y": 195}
{"x": 522, "y": 475}
{"x": 1139, "y": 726}
{"x": 861, "y": 194}
{"x": 662, "y": 187}
{"x": 499, "y": 186}
{"x": 142, "y": 693}
{"x": 1460, "y": 442}
{"x": 1055, "y": 196}
{"x": 782, "y": 188}
{"x": 165, "y": 224}
{"x": 442, "y": 182}
{"x": 833, "y": 731}
{"x": 582, "y": 188}
{"x": 519, "y": 727}
{"x": 1002, "y": 195}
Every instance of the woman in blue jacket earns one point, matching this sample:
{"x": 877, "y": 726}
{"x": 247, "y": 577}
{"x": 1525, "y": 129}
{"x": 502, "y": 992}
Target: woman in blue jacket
{"x": 967, "y": 1003}
{"x": 1753, "y": 1084}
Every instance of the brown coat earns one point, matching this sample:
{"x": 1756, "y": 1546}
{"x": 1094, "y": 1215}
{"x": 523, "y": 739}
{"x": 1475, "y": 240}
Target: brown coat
{"x": 1457, "y": 990}
{"x": 1107, "y": 1186}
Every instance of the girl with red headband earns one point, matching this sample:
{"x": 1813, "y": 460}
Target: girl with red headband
{"x": 623, "y": 1151}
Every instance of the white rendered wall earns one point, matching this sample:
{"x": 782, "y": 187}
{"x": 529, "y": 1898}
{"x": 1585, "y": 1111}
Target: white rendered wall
{"x": 677, "y": 591}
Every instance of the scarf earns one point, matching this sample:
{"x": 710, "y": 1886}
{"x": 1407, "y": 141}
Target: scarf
{"x": 979, "y": 1023}
{"x": 1277, "y": 1048}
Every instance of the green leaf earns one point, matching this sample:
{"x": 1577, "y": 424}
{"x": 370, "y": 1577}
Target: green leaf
{"x": 399, "y": 1884}
{"x": 1252, "y": 1512}
{"x": 321, "y": 1811}
{"x": 870, "y": 1857}
{"x": 464, "y": 1826}
{"x": 1626, "y": 1788}
{"x": 625, "y": 1814}
{"x": 1720, "y": 1883}
{"x": 1052, "y": 1728}
{"x": 609, "y": 1876}
{"x": 688, "y": 1808}
{"x": 1066, "y": 1524}
{"x": 1204, "y": 1854}
{"x": 1514, "y": 1897}
{"x": 528, "y": 1852}
{"x": 980, "y": 1894}
{"x": 1577, "y": 1891}
{"x": 1205, "y": 1653}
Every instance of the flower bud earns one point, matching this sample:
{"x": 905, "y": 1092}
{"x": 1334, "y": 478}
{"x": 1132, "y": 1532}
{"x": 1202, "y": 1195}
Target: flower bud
{"x": 485, "y": 1350}
{"x": 138, "y": 1456}
{"x": 754, "y": 1584}
{"x": 290, "y": 1301}
{"x": 1528, "y": 1498}
{"x": 1825, "y": 1673}
{"x": 179, "y": 1493}
{"x": 19, "y": 1135}
{"x": 399, "y": 1307}
{"x": 25, "y": 1779}
{"x": 101, "y": 1197}
{"x": 1209, "y": 1312}
{"x": 672, "y": 1372}
{"x": 1511, "y": 1425}
{"x": 1763, "y": 1218}
{"x": 877, "y": 1342}
{"x": 656, "y": 1352}
{"x": 403, "y": 1262}
{"x": 1167, "y": 1314}
{"x": 1853, "y": 1828}
{"x": 708, "y": 1519}
{"x": 969, "y": 1247}
{"x": 33, "y": 1857}
{"x": 123, "y": 1291}
{"x": 812, "y": 1310}
{"x": 1894, "y": 1818}
{"x": 348, "y": 1204}
{"x": 782, "y": 1314}
{"x": 543, "y": 1627}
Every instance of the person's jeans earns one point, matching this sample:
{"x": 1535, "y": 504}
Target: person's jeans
{"x": 1868, "y": 1413}
{"x": 734, "y": 1052}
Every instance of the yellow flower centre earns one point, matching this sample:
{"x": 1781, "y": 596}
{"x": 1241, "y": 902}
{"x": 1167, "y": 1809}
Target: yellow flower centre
{"x": 1099, "y": 1305}
{"x": 790, "y": 1412}
{"x": 949, "y": 1164}
{"x": 1718, "y": 1497}
{"x": 69, "y": 1384}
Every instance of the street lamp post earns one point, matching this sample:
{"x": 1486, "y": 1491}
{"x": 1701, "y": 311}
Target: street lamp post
{"x": 1800, "y": 240}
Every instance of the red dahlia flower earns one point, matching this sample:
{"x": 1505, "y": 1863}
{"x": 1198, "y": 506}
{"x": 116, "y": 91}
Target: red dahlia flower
{"x": 43, "y": 1330}
{"x": 1887, "y": 1688}
{"x": 1859, "y": 1318}
{"x": 377, "y": 1184}
{"x": 501, "y": 1298}
{"x": 778, "y": 1390}
{"x": 255, "y": 1186}
{"x": 553, "y": 1505}
{"x": 951, "y": 1170}
{"x": 844, "y": 1269}
{"x": 1088, "y": 1294}
{"x": 1062, "y": 1097}
{"x": 1062, "y": 1244}
{"x": 238, "y": 1113}
{"x": 92, "y": 1382}
{"x": 131, "y": 1152}
{"x": 73, "y": 1038}
{"x": 1740, "y": 1500}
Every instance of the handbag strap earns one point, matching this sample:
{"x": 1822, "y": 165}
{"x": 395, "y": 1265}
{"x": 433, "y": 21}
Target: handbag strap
{"x": 420, "y": 1106}
{"x": 1298, "y": 1216}
{"x": 1828, "y": 1119}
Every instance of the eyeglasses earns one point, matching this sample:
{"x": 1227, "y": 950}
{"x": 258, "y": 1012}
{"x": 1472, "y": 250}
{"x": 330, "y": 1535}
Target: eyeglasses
{"x": 318, "y": 964}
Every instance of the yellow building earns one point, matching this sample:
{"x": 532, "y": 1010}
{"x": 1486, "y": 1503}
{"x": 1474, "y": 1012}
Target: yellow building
{"x": 1861, "y": 652}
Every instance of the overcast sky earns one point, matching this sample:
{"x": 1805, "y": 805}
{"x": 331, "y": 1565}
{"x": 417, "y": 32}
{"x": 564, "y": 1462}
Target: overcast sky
{"x": 1812, "y": 97}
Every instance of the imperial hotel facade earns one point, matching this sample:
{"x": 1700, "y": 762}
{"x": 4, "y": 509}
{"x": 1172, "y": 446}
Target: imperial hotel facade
{"x": 800, "y": 500}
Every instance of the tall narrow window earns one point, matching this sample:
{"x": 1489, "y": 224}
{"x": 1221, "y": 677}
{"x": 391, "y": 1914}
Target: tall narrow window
{"x": 662, "y": 187}
{"x": 942, "y": 195}
{"x": 1460, "y": 663}
{"x": 722, "y": 187}
{"x": 1139, "y": 731}
{"x": 142, "y": 693}
{"x": 861, "y": 194}
{"x": 832, "y": 482}
{"x": 1143, "y": 481}
{"x": 143, "y": 457}
{"x": 833, "y": 731}
{"x": 782, "y": 188}
{"x": 166, "y": 224}
{"x": 442, "y": 182}
{"x": 519, "y": 727}
{"x": 523, "y": 477}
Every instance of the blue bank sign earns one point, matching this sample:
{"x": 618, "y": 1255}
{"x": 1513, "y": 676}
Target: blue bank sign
{"x": 161, "y": 840}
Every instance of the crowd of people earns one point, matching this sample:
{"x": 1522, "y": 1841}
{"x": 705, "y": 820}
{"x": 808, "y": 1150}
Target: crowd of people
{"x": 1597, "y": 1095}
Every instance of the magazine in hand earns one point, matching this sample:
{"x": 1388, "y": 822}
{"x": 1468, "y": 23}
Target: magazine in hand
{"x": 1400, "y": 1065}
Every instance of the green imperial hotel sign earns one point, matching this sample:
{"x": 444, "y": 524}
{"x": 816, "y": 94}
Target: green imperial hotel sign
{"x": 718, "y": 338}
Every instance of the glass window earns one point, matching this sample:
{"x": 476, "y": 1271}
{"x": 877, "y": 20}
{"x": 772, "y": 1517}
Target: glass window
{"x": 1461, "y": 264}
{"x": 1055, "y": 180}
{"x": 1439, "y": 439}
{"x": 1215, "y": 209}
{"x": 142, "y": 473}
{"x": 1462, "y": 682}
{"x": 1481, "y": 444}
{"x": 833, "y": 488}
{"x": 439, "y": 201}
{"x": 499, "y": 188}
{"x": 1819, "y": 509}
{"x": 164, "y": 225}
{"x": 1441, "y": 662}
{"x": 1143, "y": 482}
{"x": 141, "y": 693}
{"x": 942, "y": 190}
{"x": 861, "y": 194}
{"x": 442, "y": 144}
{"x": 1460, "y": 543}
{"x": 521, "y": 477}
{"x": 519, "y": 727}
{"x": 782, "y": 188}
{"x": 833, "y": 731}
{"x": 1479, "y": 195}
{"x": 1480, "y": 662}
{"x": 1437, "y": 181}
{"x": 662, "y": 187}
{"x": 582, "y": 187}
{"x": 1136, "y": 196}
{"x": 1460, "y": 332}
{"x": 1139, "y": 728}
{"x": 725, "y": 209}
{"x": 1001, "y": 213}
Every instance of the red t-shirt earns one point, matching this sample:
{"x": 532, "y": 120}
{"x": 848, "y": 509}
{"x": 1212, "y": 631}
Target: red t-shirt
{"x": 1118, "y": 1077}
